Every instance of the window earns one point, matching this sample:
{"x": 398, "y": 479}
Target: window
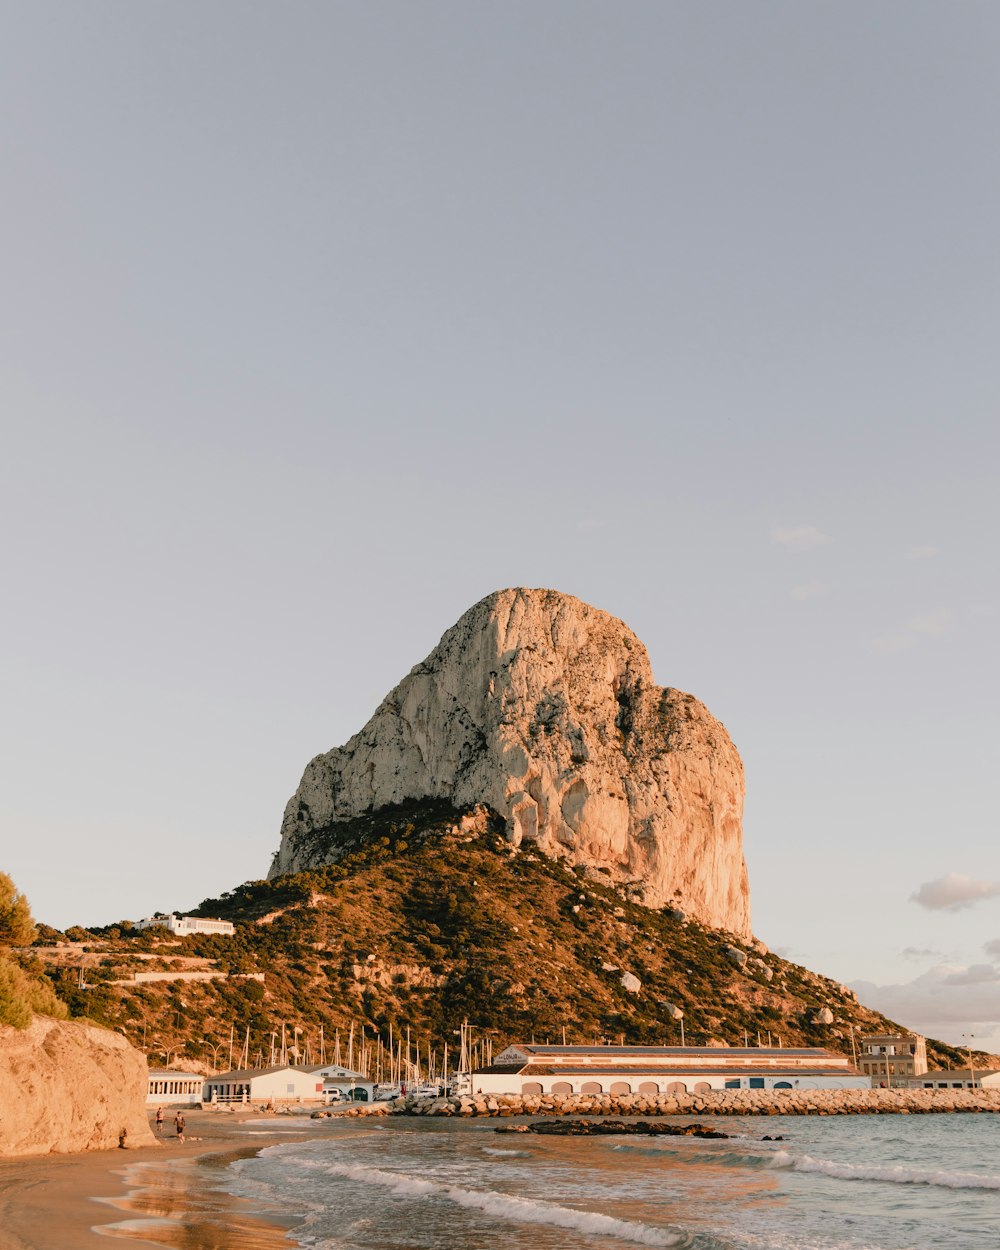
{"x": 734, "y": 1084}
{"x": 756, "y": 1082}
{"x": 782, "y": 1085}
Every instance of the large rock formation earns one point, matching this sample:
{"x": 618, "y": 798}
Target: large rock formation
{"x": 545, "y": 709}
{"x": 66, "y": 1085}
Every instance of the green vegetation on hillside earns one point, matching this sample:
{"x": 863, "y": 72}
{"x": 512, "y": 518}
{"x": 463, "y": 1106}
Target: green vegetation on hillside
{"x": 426, "y": 920}
{"x": 24, "y": 988}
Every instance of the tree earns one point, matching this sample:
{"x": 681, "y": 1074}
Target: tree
{"x": 16, "y": 926}
{"x": 22, "y": 991}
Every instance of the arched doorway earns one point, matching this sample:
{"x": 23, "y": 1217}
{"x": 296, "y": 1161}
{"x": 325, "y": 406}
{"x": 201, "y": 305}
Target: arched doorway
{"x": 702, "y": 1087}
{"x": 591, "y": 1087}
{"x": 562, "y": 1087}
{"x": 677, "y": 1087}
{"x": 531, "y": 1087}
{"x": 649, "y": 1087}
{"x": 621, "y": 1087}
{"x": 359, "y": 1094}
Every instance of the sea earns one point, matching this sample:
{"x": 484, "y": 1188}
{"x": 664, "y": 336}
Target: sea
{"x": 833, "y": 1183}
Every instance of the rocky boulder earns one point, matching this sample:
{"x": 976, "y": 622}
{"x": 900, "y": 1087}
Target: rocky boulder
{"x": 545, "y": 710}
{"x": 67, "y": 1086}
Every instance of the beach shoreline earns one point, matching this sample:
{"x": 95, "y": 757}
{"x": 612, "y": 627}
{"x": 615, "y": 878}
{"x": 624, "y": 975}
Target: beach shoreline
{"x": 159, "y": 1195}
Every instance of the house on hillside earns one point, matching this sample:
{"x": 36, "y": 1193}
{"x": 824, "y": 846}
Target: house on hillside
{"x": 281, "y": 1084}
{"x": 182, "y": 925}
{"x": 531, "y": 1069}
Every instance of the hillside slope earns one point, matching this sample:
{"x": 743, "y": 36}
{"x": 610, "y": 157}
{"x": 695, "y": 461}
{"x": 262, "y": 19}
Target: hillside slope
{"x": 432, "y": 917}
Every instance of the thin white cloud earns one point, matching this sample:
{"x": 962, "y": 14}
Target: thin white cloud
{"x": 919, "y": 952}
{"x": 927, "y": 552}
{"x": 954, "y": 892}
{"x": 975, "y": 974}
{"x": 810, "y": 590}
{"x": 944, "y": 1002}
{"x": 933, "y": 623}
{"x": 993, "y": 948}
{"x": 798, "y": 537}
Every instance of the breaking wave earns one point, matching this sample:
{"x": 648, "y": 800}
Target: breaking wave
{"x": 508, "y": 1207}
{"x": 702, "y": 1153}
{"x": 896, "y": 1174}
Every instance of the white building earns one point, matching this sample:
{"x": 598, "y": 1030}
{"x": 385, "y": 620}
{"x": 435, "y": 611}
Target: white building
{"x": 886, "y": 1057}
{"x": 531, "y": 1069}
{"x": 182, "y": 925}
{"x": 167, "y": 1088}
{"x": 282, "y": 1084}
{"x": 951, "y": 1078}
{"x": 354, "y": 1085}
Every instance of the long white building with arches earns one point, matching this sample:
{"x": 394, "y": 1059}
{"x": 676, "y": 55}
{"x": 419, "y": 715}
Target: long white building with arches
{"x": 531, "y": 1069}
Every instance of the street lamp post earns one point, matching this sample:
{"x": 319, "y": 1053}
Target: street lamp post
{"x": 969, "y": 1038}
{"x": 215, "y": 1051}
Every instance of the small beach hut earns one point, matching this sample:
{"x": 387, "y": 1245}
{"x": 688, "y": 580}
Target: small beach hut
{"x": 282, "y": 1084}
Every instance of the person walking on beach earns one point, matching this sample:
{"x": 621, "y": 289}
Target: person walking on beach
{"x": 159, "y": 1119}
{"x": 179, "y": 1125}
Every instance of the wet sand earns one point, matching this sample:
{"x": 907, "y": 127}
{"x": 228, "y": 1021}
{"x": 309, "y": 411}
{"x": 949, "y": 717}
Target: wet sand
{"x": 157, "y": 1195}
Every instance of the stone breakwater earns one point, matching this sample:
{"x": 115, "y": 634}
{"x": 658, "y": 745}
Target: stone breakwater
{"x": 716, "y": 1102}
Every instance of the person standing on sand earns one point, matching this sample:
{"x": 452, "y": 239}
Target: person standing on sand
{"x": 179, "y": 1125}
{"x": 159, "y": 1119}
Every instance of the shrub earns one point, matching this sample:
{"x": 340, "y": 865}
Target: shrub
{"x": 21, "y": 994}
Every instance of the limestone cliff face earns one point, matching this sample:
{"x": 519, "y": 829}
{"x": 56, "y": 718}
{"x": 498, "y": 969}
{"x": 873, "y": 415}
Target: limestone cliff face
{"x": 545, "y": 709}
{"x": 66, "y": 1086}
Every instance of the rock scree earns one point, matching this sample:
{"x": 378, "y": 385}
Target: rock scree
{"x": 545, "y": 710}
{"x": 616, "y": 1128}
{"x": 712, "y": 1102}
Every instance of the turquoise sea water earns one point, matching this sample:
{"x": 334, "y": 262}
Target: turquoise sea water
{"x": 834, "y": 1183}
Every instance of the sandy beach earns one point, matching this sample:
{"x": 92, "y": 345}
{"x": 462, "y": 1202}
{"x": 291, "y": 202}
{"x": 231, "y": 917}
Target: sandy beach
{"x": 156, "y": 1195}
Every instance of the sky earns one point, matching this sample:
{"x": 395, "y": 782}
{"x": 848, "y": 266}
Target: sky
{"x": 321, "y": 321}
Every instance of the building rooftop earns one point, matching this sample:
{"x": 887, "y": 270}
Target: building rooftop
{"x": 682, "y": 1052}
{"x": 959, "y": 1074}
{"x": 243, "y": 1074}
{"x": 545, "y": 1069}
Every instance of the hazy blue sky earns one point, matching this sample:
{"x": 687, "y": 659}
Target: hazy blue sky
{"x": 321, "y": 321}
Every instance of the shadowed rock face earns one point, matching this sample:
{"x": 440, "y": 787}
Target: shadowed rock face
{"x": 545, "y": 709}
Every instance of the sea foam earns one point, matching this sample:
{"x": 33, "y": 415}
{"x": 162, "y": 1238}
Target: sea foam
{"x": 508, "y": 1207}
{"x": 896, "y": 1174}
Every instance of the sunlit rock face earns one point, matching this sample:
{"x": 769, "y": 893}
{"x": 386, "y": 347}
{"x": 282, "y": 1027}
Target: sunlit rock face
{"x": 545, "y": 709}
{"x": 66, "y": 1085}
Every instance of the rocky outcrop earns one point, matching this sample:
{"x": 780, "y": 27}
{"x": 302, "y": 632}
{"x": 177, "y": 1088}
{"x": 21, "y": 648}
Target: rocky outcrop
{"x": 545, "y": 710}
{"x": 67, "y": 1086}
